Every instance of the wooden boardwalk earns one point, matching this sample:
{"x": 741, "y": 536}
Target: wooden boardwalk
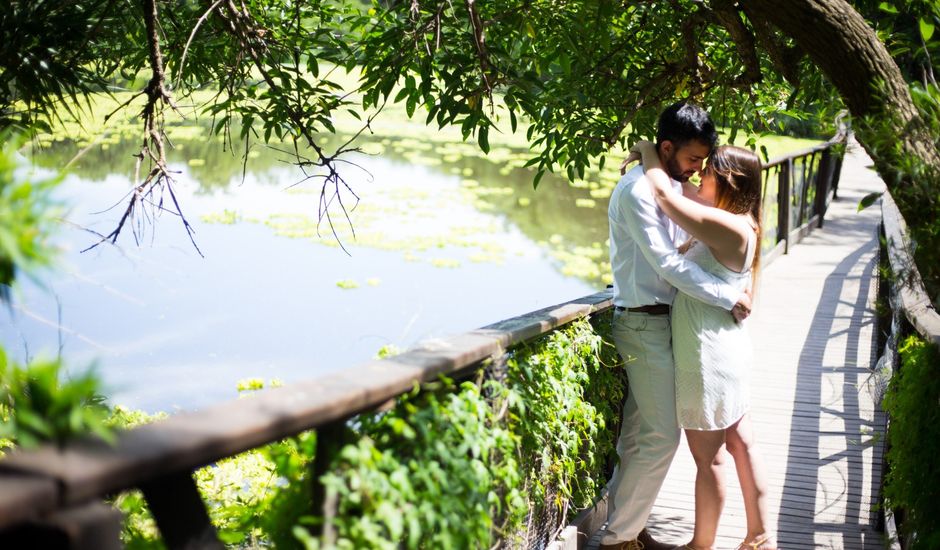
{"x": 814, "y": 399}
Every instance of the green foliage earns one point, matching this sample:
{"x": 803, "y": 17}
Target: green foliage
{"x": 254, "y": 499}
{"x": 564, "y": 402}
{"x": 462, "y": 466}
{"x": 45, "y": 59}
{"x": 584, "y": 75}
{"x": 450, "y": 465}
{"x": 37, "y": 406}
{"x": 27, "y": 213}
{"x": 907, "y": 29}
{"x": 915, "y": 184}
{"x": 437, "y": 471}
{"x": 913, "y": 479}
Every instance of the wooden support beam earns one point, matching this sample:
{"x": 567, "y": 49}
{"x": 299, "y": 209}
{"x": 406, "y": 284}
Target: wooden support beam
{"x": 783, "y": 204}
{"x": 87, "y": 469}
{"x": 823, "y": 184}
{"x": 181, "y": 515}
{"x": 92, "y": 526}
{"x": 25, "y": 498}
{"x": 330, "y": 440}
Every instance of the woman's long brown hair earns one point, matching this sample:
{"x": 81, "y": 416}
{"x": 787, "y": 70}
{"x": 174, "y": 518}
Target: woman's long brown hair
{"x": 738, "y": 189}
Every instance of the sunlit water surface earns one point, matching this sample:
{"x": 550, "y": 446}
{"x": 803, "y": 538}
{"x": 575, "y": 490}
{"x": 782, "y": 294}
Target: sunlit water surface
{"x": 441, "y": 247}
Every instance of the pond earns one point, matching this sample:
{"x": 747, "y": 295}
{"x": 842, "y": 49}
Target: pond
{"x": 446, "y": 240}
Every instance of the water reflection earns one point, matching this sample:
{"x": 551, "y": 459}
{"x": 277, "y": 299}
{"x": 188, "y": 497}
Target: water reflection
{"x": 445, "y": 241}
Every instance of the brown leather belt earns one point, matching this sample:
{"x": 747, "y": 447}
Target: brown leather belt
{"x": 655, "y": 309}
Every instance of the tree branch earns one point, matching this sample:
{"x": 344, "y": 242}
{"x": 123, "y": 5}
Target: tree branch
{"x": 728, "y": 17}
{"x": 786, "y": 60}
{"x": 480, "y": 44}
{"x": 153, "y": 148}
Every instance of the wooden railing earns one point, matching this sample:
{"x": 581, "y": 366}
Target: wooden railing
{"x": 797, "y": 191}
{"x": 909, "y": 300}
{"x": 910, "y": 311}
{"x": 52, "y": 497}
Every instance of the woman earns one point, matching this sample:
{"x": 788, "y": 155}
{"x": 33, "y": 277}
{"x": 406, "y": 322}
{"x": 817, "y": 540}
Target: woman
{"x": 712, "y": 352}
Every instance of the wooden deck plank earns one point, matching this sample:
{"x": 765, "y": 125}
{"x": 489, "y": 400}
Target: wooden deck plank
{"x": 814, "y": 401}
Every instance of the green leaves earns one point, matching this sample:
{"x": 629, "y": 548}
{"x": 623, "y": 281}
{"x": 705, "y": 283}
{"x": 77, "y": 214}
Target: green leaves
{"x": 39, "y": 407}
{"x": 887, "y": 7}
{"x": 926, "y": 28}
{"x": 869, "y": 200}
{"x": 447, "y": 465}
{"x": 27, "y": 215}
{"x": 911, "y": 482}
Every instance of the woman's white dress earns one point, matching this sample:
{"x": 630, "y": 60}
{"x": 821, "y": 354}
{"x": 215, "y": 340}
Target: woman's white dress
{"x": 713, "y": 354}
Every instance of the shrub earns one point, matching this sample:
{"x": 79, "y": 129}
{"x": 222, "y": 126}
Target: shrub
{"x": 913, "y": 479}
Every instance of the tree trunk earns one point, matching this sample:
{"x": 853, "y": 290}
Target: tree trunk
{"x": 841, "y": 43}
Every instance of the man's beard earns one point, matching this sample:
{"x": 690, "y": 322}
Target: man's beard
{"x": 675, "y": 171}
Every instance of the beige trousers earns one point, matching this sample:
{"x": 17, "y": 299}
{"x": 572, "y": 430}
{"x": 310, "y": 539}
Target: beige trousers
{"x": 649, "y": 435}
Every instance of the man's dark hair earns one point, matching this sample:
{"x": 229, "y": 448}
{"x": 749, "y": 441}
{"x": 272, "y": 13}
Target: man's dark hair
{"x": 683, "y": 122}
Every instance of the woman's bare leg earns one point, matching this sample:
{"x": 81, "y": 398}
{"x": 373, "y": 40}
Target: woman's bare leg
{"x": 706, "y": 447}
{"x": 748, "y": 463}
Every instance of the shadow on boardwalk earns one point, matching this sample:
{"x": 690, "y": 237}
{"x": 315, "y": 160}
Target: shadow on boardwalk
{"x": 808, "y": 494}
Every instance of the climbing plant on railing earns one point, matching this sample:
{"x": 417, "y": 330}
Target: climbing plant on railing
{"x": 458, "y": 466}
{"x": 449, "y": 465}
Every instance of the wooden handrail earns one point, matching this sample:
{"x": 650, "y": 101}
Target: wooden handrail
{"x": 914, "y": 301}
{"x": 85, "y": 470}
{"x": 803, "y": 152}
{"x": 37, "y": 483}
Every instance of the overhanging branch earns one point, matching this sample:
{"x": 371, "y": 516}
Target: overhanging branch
{"x": 727, "y": 15}
{"x": 785, "y": 59}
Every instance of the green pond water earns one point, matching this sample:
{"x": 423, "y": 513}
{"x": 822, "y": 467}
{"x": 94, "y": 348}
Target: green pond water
{"x": 446, "y": 240}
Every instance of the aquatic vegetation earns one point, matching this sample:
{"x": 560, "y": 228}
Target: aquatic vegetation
{"x": 445, "y": 262}
{"x": 225, "y": 217}
{"x": 585, "y": 203}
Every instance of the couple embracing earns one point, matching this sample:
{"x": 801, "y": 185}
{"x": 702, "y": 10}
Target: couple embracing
{"x": 684, "y": 261}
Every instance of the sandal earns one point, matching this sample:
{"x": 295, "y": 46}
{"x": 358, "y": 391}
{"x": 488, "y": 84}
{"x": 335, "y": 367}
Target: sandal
{"x": 765, "y": 542}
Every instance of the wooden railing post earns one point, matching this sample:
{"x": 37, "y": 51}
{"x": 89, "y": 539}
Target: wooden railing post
{"x": 330, "y": 439}
{"x": 836, "y": 175}
{"x": 808, "y": 179}
{"x": 823, "y": 183}
{"x": 181, "y": 515}
{"x": 783, "y": 204}
{"x": 92, "y": 526}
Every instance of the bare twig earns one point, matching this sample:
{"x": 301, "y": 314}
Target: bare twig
{"x": 252, "y": 40}
{"x": 153, "y": 147}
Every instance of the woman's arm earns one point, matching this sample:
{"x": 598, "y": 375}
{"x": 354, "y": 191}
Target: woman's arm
{"x": 717, "y": 228}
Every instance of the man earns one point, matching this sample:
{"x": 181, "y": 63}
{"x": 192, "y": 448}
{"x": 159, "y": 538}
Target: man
{"x": 647, "y": 271}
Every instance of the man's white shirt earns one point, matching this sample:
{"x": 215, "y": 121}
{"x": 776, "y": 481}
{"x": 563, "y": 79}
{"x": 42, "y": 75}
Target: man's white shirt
{"x": 646, "y": 266}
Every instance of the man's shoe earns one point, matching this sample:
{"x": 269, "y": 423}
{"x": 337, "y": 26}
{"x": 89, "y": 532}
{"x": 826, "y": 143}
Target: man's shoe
{"x": 649, "y": 543}
{"x": 644, "y": 541}
{"x": 625, "y": 545}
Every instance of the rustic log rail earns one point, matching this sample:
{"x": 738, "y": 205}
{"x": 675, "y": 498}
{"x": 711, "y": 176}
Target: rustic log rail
{"x": 51, "y": 497}
{"x": 911, "y": 309}
{"x": 909, "y": 295}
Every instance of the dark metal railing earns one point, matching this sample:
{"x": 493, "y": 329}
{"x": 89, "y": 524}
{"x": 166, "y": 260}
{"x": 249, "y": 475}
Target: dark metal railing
{"x": 52, "y": 497}
{"x": 797, "y": 191}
